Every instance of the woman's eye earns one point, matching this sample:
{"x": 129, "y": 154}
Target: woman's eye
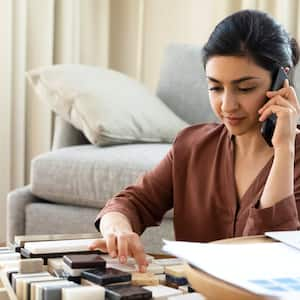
{"x": 246, "y": 89}
{"x": 215, "y": 88}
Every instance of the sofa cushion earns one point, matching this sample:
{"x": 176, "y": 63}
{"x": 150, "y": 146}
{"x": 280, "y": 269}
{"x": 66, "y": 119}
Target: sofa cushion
{"x": 182, "y": 84}
{"x": 87, "y": 175}
{"x": 109, "y": 108}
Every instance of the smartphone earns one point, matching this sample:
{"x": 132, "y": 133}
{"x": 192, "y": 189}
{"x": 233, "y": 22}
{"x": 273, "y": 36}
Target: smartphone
{"x": 268, "y": 126}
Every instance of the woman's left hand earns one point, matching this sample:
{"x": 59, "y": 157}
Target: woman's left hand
{"x": 284, "y": 104}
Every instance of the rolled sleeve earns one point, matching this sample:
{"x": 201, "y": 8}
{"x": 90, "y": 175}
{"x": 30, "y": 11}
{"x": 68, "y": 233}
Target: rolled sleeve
{"x": 145, "y": 202}
{"x": 281, "y": 216}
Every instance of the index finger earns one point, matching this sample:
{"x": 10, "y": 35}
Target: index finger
{"x": 282, "y": 91}
{"x": 286, "y": 83}
{"x": 139, "y": 254}
{"x": 98, "y": 244}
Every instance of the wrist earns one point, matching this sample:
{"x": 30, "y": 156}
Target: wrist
{"x": 287, "y": 151}
{"x": 114, "y": 222}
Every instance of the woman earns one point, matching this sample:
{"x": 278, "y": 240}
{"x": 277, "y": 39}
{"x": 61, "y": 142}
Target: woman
{"x": 223, "y": 180}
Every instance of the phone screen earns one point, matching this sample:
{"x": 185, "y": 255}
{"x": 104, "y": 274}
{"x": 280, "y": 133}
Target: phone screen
{"x": 268, "y": 126}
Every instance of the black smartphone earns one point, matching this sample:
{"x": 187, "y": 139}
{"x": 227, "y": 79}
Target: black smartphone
{"x": 268, "y": 126}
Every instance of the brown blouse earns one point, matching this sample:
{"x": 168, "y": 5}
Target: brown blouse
{"x": 196, "y": 178}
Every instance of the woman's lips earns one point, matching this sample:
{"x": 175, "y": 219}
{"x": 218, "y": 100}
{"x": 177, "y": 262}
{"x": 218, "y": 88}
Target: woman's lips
{"x": 234, "y": 120}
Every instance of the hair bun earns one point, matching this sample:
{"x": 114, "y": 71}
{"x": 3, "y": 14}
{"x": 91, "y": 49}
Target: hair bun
{"x": 295, "y": 51}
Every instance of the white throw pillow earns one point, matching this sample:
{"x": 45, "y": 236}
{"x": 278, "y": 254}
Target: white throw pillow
{"x": 107, "y": 106}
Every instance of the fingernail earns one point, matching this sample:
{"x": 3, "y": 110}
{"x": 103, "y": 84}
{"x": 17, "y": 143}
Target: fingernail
{"x": 123, "y": 259}
{"x": 113, "y": 254}
{"x": 143, "y": 269}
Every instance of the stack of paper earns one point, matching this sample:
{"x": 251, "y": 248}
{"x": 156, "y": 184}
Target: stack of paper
{"x": 263, "y": 268}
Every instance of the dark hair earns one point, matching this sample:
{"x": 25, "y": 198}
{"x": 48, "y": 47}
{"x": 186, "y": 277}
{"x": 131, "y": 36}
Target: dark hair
{"x": 257, "y": 35}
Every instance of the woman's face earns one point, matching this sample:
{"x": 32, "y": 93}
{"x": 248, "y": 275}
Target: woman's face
{"x": 237, "y": 89}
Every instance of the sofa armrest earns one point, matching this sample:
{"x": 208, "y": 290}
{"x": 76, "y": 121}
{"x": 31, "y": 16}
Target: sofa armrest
{"x": 65, "y": 135}
{"x": 17, "y": 201}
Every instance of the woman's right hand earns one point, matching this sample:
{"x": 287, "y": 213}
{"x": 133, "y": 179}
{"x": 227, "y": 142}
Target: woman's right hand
{"x": 119, "y": 240}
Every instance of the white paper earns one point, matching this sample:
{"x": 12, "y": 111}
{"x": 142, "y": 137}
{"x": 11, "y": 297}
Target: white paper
{"x": 291, "y": 238}
{"x": 240, "y": 264}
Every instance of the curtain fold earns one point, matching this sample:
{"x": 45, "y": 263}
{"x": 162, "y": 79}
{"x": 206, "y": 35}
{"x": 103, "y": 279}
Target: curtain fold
{"x": 127, "y": 35}
{"x": 6, "y": 31}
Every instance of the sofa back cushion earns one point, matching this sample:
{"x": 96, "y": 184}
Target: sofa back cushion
{"x": 182, "y": 84}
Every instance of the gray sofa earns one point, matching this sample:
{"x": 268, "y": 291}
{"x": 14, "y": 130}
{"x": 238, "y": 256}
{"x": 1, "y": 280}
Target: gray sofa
{"x": 70, "y": 184}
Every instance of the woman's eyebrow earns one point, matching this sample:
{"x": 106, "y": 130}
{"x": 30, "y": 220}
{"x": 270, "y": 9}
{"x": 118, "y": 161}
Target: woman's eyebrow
{"x": 238, "y": 80}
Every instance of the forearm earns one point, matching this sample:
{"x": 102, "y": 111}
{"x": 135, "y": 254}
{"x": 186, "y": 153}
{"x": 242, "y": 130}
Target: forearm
{"x": 113, "y": 222}
{"x": 280, "y": 183}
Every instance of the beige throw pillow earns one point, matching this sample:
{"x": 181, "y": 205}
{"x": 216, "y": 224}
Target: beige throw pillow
{"x": 107, "y": 106}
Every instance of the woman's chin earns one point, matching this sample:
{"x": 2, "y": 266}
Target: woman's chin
{"x": 241, "y": 129}
{"x": 235, "y": 130}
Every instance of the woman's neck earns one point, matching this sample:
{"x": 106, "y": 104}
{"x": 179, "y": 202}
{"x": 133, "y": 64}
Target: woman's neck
{"x": 252, "y": 144}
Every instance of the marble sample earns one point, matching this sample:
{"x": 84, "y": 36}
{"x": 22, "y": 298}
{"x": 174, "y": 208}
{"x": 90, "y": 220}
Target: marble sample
{"x": 9, "y": 256}
{"x": 9, "y": 264}
{"x": 161, "y": 278}
{"x": 129, "y": 268}
{"x": 31, "y": 265}
{"x": 184, "y": 288}
{"x": 130, "y": 260}
{"x": 6, "y": 250}
{"x": 155, "y": 269}
{"x": 18, "y": 275}
{"x": 85, "y": 282}
{"x": 37, "y": 289}
{"x": 23, "y": 285}
{"x": 65, "y": 246}
{"x": 161, "y": 292}
{"x": 45, "y": 256}
{"x": 20, "y": 240}
{"x": 143, "y": 279}
{"x": 9, "y": 272}
{"x": 176, "y": 280}
{"x": 4, "y": 294}
{"x": 84, "y": 292}
{"x": 127, "y": 292}
{"x": 73, "y": 272}
{"x": 55, "y": 292}
{"x": 176, "y": 271}
{"x": 64, "y": 275}
{"x": 190, "y": 296}
{"x": 28, "y": 283}
{"x": 168, "y": 261}
{"x": 54, "y": 264}
{"x": 107, "y": 276}
{"x": 83, "y": 261}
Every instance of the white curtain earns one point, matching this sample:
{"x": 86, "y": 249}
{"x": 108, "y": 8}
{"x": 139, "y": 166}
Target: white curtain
{"x": 128, "y": 35}
{"x": 35, "y": 33}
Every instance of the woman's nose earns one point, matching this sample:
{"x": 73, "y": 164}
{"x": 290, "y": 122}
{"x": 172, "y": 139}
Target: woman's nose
{"x": 229, "y": 102}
